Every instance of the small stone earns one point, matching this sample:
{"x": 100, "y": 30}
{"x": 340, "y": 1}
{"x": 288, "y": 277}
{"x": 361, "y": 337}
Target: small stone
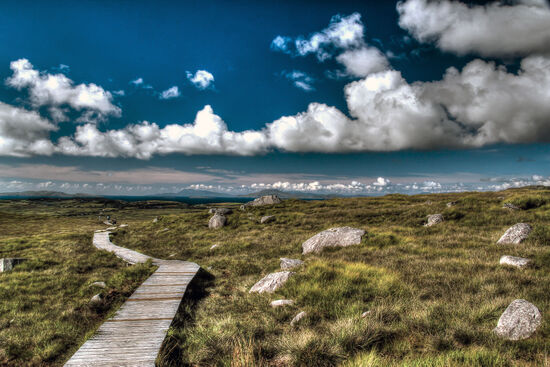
{"x": 451, "y": 204}
{"x": 365, "y": 314}
{"x": 515, "y": 234}
{"x": 8, "y": 263}
{"x": 287, "y": 264}
{"x": 217, "y": 221}
{"x": 123, "y": 226}
{"x": 214, "y": 246}
{"x": 297, "y": 318}
{"x": 156, "y": 219}
{"x": 519, "y": 320}
{"x": 171, "y": 255}
{"x": 99, "y": 284}
{"x": 271, "y": 282}
{"x": 110, "y": 229}
{"x": 518, "y": 262}
{"x": 434, "y": 219}
{"x": 267, "y": 219}
{"x": 510, "y": 206}
{"x": 428, "y": 202}
{"x": 97, "y": 299}
{"x": 333, "y": 237}
{"x": 282, "y": 302}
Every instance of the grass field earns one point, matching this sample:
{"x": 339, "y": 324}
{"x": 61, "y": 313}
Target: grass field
{"x": 434, "y": 293}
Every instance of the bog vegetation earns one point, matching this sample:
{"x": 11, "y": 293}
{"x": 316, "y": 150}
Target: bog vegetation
{"x": 434, "y": 293}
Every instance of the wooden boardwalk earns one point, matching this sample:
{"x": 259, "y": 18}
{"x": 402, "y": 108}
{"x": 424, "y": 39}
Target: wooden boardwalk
{"x": 134, "y": 335}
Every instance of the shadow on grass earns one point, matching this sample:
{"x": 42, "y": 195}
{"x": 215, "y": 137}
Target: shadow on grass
{"x": 171, "y": 353}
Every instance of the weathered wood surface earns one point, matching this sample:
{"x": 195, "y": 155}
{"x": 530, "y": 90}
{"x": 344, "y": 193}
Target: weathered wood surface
{"x": 134, "y": 335}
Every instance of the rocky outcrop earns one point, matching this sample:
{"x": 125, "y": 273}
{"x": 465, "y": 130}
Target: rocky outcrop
{"x": 333, "y": 237}
{"x": 217, "y": 221}
{"x": 287, "y": 264}
{"x": 264, "y": 200}
{"x": 519, "y": 320}
{"x": 271, "y": 282}
{"x": 267, "y": 219}
{"x": 518, "y": 262}
{"x": 515, "y": 234}
{"x": 434, "y": 219}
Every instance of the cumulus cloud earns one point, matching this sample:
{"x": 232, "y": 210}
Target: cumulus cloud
{"x": 496, "y": 29}
{"x": 300, "y": 79}
{"x": 363, "y": 61}
{"x": 137, "y": 81}
{"x": 208, "y": 134}
{"x": 57, "y": 90}
{"x": 202, "y": 79}
{"x": 24, "y": 133}
{"x": 172, "y": 92}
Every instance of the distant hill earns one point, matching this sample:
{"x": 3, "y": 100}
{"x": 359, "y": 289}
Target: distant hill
{"x": 46, "y": 194}
{"x": 289, "y": 194}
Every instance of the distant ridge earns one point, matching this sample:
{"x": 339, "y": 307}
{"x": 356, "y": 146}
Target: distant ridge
{"x": 194, "y": 194}
{"x": 289, "y": 194}
{"x": 47, "y": 194}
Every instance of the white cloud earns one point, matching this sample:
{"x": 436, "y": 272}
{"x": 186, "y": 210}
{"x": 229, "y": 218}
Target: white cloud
{"x": 363, "y": 61}
{"x": 202, "y": 79}
{"x": 24, "y": 133}
{"x": 207, "y": 135}
{"x": 381, "y": 181}
{"x": 137, "y": 81}
{"x": 120, "y": 93}
{"x": 495, "y": 29}
{"x": 300, "y": 80}
{"x": 58, "y": 90}
{"x": 169, "y": 93}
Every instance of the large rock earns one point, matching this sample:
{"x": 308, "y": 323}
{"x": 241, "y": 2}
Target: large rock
{"x": 519, "y": 320}
{"x": 515, "y": 234}
{"x": 7, "y": 263}
{"x": 217, "y": 221}
{"x": 287, "y": 264}
{"x": 333, "y": 237}
{"x": 264, "y": 200}
{"x": 267, "y": 219}
{"x": 518, "y": 262}
{"x": 271, "y": 282}
{"x": 434, "y": 219}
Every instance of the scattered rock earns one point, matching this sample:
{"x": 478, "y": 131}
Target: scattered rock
{"x": 217, "y": 221}
{"x": 518, "y": 262}
{"x": 264, "y": 200}
{"x": 98, "y": 284}
{"x": 451, "y": 204}
{"x": 282, "y": 302}
{"x": 222, "y": 211}
{"x": 297, "y": 318}
{"x": 365, "y": 314}
{"x": 214, "y": 246}
{"x": 267, "y": 219}
{"x": 96, "y": 300}
{"x": 7, "y": 263}
{"x": 434, "y": 219}
{"x": 510, "y": 206}
{"x": 515, "y": 234}
{"x": 519, "y": 320}
{"x": 271, "y": 282}
{"x": 333, "y": 237}
{"x": 287, "y": 264}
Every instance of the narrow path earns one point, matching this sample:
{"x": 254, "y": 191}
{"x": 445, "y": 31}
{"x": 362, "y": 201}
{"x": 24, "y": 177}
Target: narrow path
{"x": 134, "y": 335}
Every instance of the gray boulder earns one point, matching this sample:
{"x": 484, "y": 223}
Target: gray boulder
{"x": 271, "y": 282}
{"x": 222, "y": 211}
{"x": 267, "y": 219}
{"x": 96, "y": 300}
{"x": 519, "y": 320}
{"x": 282, "y": 302}
{"x": 434, "y": 219}
{"x": 518, "y": 262}
{"x": 297, "y": 318}
{"x": 264, "y": 200}
{"x": 333, "y": 237}
{"x": 287, "y": 264}
{"x": 515, "y": 234}
{"x": 217, "y": 221}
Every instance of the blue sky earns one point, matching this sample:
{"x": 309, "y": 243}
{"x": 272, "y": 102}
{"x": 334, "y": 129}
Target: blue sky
{"x": 357, "y": 97}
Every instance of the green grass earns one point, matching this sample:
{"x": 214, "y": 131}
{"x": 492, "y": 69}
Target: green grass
{"x": 434, "y": 293}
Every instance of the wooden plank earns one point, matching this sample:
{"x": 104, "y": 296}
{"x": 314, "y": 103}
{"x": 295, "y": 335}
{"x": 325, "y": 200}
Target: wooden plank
{"x": 134, "y": 335}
